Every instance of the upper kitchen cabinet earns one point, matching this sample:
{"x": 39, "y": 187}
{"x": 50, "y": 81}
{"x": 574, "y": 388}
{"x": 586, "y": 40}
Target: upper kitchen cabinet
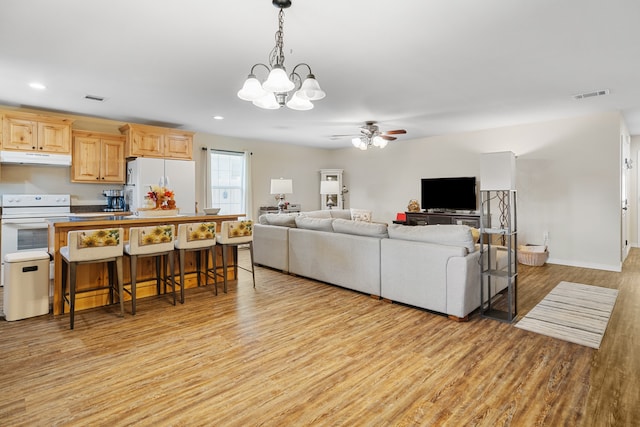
{"x": 36, "y": 132}
{"x": 153, "y": 141}
{"x": 97, "y": 157}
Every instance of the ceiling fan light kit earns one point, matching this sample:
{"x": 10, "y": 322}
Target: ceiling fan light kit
{"x": 373, "y": 137}
{"x": 274, "y": 92}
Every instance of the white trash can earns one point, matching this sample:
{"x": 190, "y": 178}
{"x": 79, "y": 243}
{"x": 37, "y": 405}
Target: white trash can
{"x": 26, "y": 284}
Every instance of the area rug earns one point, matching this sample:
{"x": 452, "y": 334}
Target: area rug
{"x": 572, "y": 312}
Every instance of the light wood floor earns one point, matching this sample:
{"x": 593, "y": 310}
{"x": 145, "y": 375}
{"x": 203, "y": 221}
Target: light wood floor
{"x": 298, "y": 352}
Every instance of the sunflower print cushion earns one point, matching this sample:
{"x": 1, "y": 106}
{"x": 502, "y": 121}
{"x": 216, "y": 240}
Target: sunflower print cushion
{"x": 201, "y": 231}
{"x": 155, "y": 234}
{"x": 240, "y": 228}
{"x": 99, "y": 238}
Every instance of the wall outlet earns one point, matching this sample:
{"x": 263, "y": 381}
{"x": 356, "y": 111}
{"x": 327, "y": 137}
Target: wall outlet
{"x": 545, "y": 236}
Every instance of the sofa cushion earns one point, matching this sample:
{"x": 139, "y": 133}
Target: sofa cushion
{"x": 311, "y": 223}
{"x": 283, "y": 220}
{"x": 444, "y": 234}
{"x": 340, "y": 213}
{"x": 360, "y": 228}
{"x": 317, "y": 214}
{"x": 360, "y": 215}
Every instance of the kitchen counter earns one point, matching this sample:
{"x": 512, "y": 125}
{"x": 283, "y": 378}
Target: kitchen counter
{"x": 92, "y": 275}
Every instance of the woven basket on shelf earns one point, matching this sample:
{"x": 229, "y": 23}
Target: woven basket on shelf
{"x": 527, "y": 256}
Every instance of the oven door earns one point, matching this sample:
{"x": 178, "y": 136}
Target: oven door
{"x": 21, "y": 235}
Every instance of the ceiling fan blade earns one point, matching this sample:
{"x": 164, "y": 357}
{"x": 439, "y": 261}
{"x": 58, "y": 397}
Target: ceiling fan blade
{"x": 395, "y": 132}
{"x": 343, "y": 136}
{"x": 388, "y": 138}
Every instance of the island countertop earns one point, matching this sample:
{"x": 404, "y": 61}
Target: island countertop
{"x": 60, "y": 226}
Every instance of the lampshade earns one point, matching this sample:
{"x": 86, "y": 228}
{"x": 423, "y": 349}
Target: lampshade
{"x": 252, "y": 89}
{"x": 329, "y": 187}
{"x": 498, "y": 171}
{"x": 379, "y": 141}
{"x": 310, "y": 89}
{"x": 281, "y": 186}
{"x": 299, "y": 103}
{"x": 278, "y": 80}
{"x": 268, "y": 102}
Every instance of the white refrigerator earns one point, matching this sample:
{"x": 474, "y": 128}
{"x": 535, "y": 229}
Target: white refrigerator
{"x": 177, "y": 175}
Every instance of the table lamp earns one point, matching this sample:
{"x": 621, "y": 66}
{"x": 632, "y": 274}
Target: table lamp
{"x": 329, "y": 187}
{"x": 280, "y": 187}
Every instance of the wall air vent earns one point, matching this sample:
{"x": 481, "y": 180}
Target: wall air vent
{"x": 94, "y": 98}
{"x": 591, "y": 94}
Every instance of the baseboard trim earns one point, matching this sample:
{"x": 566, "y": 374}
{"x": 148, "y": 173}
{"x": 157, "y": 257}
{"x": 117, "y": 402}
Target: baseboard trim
{"x": 607, "y": 267}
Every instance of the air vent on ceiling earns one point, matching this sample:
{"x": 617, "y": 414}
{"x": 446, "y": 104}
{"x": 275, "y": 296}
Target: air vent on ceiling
{"x": 94, "y": 98}
{"x": 591, "y": 94}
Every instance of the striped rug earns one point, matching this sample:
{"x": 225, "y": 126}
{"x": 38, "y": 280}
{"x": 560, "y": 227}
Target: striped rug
{"x": 572, "y": 312}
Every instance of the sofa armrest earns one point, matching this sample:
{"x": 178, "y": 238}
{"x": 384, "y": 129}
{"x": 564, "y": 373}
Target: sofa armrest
{"x": 271, "y": 246}
{"x": 463, "y": 284}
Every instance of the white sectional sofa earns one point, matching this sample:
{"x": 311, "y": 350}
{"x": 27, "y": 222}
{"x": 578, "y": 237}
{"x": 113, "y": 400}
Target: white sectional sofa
{"x": 432, "y": 267}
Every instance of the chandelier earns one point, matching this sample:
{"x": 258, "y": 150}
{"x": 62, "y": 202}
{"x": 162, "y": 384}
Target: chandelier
{"x": 274, "y": 91}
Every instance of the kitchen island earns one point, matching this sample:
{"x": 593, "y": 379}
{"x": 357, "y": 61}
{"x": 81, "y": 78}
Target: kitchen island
{"x": 91, "y": 276}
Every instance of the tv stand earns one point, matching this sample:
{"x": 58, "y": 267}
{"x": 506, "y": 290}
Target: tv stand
{"x": 431, "y": 218}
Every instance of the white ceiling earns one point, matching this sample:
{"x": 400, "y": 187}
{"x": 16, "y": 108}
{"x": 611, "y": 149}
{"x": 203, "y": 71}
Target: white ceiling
{"x": 429, "y": 66}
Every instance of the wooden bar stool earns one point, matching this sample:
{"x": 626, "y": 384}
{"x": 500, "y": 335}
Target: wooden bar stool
{"x": 89, "y": 247}
{"x": 197, "y": 237}
{"x": 151, "y": 241}
{"x": 235, "y": 233}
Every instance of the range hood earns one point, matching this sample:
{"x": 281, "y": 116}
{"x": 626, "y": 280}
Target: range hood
{"x": 34, "y": 158}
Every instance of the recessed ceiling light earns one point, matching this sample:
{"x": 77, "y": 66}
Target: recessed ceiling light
{"x": 585, "y": 95}
{"x": 218, "y": 117}
{"x": 94, "y": 98}
{"x": 36, "y": 85}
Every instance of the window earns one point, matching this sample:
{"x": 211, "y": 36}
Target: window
{"x": 228, "y": 181}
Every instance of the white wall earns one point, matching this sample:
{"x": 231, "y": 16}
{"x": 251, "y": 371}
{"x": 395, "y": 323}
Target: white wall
{"x": 269, "y": 160}
{"x": 568, "y": 181}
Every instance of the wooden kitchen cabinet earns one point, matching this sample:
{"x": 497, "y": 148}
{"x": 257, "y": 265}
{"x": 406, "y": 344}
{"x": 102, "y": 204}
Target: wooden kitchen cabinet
{"x": 35, "y": 132}
{"x": 153, "y": 141}
{"x": 98, "y": 157}
{"x": 179, "y": 145}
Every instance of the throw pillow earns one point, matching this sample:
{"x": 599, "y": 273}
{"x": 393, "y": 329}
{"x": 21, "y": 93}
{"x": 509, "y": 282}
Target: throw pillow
{"x": 475, "y": 233}
{"x": 360, "y": 215}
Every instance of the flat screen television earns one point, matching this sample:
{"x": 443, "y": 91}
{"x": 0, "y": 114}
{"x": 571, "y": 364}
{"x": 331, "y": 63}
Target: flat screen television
{"x": 449, "y": 194}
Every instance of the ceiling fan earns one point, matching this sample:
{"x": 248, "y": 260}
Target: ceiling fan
{"x": 371, "y": 136}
